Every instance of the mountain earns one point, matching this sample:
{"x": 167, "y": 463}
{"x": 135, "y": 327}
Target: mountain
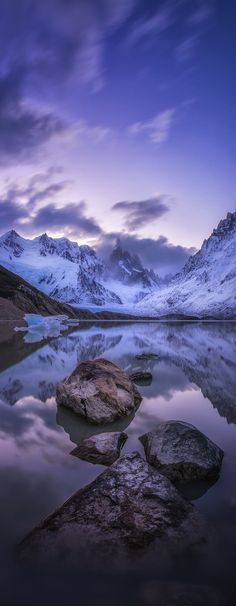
{"x": 58, "y": 267}
{"x": 18, "y": 297}
{"x": 206, "y": 287}
{"x": 75, "y": 274}
{"x": 128, "y": 269}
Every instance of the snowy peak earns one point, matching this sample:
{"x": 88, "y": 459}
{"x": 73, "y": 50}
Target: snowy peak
{"x": 206, "y": 287}
{"x": 128, "y": 269}
{"x": 12, "y": 242}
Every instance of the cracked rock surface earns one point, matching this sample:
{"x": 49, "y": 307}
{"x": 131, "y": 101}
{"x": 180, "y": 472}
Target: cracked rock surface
{"x": 124, "y": 513}
{"x": 99, "y": 391}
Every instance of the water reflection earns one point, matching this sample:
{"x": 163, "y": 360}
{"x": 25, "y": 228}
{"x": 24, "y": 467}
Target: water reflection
{"x": 204, "y": 353}
{"x": 194, "y": 379}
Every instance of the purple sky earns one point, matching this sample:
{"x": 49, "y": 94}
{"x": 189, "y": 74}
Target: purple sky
{"x": 117, "y": 118}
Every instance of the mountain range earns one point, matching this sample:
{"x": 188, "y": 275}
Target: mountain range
{"x": 73, "y": 274}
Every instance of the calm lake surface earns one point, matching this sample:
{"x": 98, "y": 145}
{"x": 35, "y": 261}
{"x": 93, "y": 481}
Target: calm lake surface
{"x": 194, "y": 379}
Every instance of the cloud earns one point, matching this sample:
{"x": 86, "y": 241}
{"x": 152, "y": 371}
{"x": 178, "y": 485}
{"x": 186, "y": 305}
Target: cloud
{"x": 161, "y": 20}
{"x": 185, "y": 50}
{"x": 157, "y": 129}
{"x": 143, "y": 212}
{"x": 33, "y": 208}
{"x": 22, "y": 129}
{"x": 196, "y": 23}
{"x": 70, "y": 218}
{"x": 96, "y": 134}
{"x": 45, "y": 47}
{"x": 157, "y": 254}
{"x": 201, "y": 14}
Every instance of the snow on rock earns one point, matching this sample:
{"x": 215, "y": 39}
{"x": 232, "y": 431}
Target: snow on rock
{"x": 206, "y": 287}
{"x": 58, "y": 267}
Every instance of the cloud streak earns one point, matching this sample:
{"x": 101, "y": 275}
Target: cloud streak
{"x": 157, "y": 129}
{"x": 141, "y": 213}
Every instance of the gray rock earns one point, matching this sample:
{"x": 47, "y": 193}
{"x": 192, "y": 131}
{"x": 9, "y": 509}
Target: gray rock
{"x": 103, "y": 448}
{"x": 182, "y": 453}
{"x": 99, "y": 391}
{"x": 115, "y": 520}
{"x": 141, "y": 378}
{"x": 146, "y": 355}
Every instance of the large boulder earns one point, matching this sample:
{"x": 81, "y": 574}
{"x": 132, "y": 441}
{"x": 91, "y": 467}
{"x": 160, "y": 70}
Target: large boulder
{"x": 182, "y": 453}
{"x": 117, "y": 521}
{"x": 103, "y": 448}
{"x": 99, "y": 391}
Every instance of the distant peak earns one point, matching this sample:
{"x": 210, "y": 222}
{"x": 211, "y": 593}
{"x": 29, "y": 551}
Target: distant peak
{"x": 13, "y": 233}
{"x": 226, "y": 225}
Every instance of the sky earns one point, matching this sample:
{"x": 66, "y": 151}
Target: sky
{"x": 117, "y": 119}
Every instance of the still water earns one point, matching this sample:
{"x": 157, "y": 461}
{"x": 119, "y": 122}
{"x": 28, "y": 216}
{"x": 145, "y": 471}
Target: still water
{"x": 194, "y": 379}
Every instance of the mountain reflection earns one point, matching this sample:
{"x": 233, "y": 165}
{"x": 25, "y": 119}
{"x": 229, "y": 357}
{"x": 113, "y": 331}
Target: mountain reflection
{"x": 203, "y": 355}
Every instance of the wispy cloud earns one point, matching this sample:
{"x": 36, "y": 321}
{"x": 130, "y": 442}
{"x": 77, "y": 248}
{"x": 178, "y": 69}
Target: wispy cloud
{"x": 157, "y": 129}
{"x": 160, "y": 21}
{"x": 185, "y": 50}
{"x": 201, "y": 14}
{"x": 96, "y": 133}
{"x": 141, "y": 213}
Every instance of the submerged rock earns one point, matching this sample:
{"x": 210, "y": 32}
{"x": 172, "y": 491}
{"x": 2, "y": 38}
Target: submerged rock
{"x": 146, "y": 355}
{"x": 103, "y": 448}
{"x": 114, "y": 520}
{"x": 182, "y": 453}
{"x": 99, "y": 391}
{"x": 141, "y": 378}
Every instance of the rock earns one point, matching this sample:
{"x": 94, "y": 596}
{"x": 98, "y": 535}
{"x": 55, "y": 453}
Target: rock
{"x": 115, "y": 520}
{"x": 141, "y": 378}
{"x": 100, "y": 391}
{"x": 147, "y": 356}
{"x": 182, "y": 453}
{"x": 103, "y": 448}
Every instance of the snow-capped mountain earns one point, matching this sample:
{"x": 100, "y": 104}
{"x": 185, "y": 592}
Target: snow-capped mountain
{"x": 206, "y": 287}
{"x": 128, "y": 269}
{"x": 75, "y": 274}
{"x": 60, "y": 268}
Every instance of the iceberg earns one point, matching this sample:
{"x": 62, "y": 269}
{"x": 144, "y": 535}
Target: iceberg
{"x": 41, "y": 327}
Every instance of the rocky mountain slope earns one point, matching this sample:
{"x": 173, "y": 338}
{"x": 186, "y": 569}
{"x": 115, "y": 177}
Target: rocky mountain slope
{"x": 206, "y": 287}
{"x": 18, "y": 297}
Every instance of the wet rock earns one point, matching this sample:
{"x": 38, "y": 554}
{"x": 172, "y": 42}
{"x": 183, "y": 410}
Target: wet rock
{"x": 147, "y": 356}
{"x": 141, "y": 378}
{"x": 118, "y": 519}
{"x": 99, "y": 391}
{"x": 103, "y": 449}
{"x": 182, "y": 453}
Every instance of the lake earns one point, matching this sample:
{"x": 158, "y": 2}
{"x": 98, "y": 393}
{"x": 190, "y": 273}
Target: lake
{"x": 194, "y": 380}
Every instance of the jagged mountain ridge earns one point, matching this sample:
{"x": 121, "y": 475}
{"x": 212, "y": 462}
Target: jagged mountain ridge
{"x": 71, "y": 273}
{"x": 128, "y": 268}
{"x": 206, "y": 287}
